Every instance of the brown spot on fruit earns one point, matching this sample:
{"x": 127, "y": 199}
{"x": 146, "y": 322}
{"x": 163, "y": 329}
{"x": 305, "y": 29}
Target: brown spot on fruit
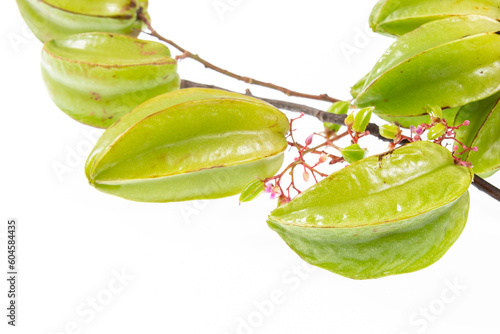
{"x": 96, "y": 96}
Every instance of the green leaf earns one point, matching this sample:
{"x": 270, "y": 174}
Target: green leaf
{"x": 435, "y": 111}
{"x": 389, "y": 131}
{"x": 252, "y": 191}
{"x": 362, "y": 119}
{"x": 353, "y": 153}
{"x": 436, "y": 131}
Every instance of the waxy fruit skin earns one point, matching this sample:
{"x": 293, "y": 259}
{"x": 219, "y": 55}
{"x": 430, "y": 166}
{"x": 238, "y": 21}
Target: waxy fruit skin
{"x": 396, "y": 17}
{"x": 98, "y": 77}
{"x": 49, "y": 19}
{"x": 483, "y": 132}
{"x": 384, "y": 215}
{"x": 446, "y": 63}
{"x": 189, "y": 144}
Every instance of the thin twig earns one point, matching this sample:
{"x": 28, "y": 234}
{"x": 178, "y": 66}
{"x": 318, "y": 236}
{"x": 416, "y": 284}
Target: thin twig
{"x": 486, "y": 187}
{"x": 324, "y": 116}
{"x": 248, "y": 80}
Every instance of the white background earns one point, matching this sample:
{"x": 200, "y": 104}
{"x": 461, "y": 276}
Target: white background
{"x": 211, "y": 266}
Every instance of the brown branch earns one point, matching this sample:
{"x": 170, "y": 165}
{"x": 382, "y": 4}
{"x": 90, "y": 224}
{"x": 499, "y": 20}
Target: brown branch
{"x": 324, "y": 116}
{"x": 251, "y": 81}
{"x": 486, "y": 187}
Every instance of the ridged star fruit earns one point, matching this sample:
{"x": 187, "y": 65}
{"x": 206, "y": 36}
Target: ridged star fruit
{"x": 446, "y": 63}
{"x": 384, "y": 215}
{"x": 482, "y": 133}
{"x": 396, "y": 17}
{"x": 98, "y": 77}
{"x": 49, "y": 19}
{"x": 189, "y": 144}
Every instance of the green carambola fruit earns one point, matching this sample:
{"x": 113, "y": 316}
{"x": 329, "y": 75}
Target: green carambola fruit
{"x": 483, "y": 133}
{"x": 404, "y": 121}
{"x": 98, "y": 77}
{"x": 50, "y": 19}
{"x": 396, "y": 17}
{"x": 358, "y": 86}
{"x": 189, "y": 144}
{"x": 384, "y": 215}
{"x": 447, "y": 63}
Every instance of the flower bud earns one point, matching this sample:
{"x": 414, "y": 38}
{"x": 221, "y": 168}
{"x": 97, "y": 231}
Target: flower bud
{"x": 362, "y": 119}
{"x": 353, "y": 153}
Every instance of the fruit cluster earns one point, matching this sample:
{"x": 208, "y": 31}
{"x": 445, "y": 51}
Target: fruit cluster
{"x": 382, "y": 215}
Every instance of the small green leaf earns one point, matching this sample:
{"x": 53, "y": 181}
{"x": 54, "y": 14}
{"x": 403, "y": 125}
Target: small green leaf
{"x": 362, "y": 119}
{"x": 389, "y": 131}
{"x": 338, "y": 108}
{"x": 435, "y": 111}
{"x": 436, "y": 131}
{"x": 349, "y": 120}
{"x": 353, "y": 153}
{"x": 252, "y": 191}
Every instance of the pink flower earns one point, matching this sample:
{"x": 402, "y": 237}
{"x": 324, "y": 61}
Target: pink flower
{"x": 322, "y": 158}
{"x": 306, "y": 176}
{"x": 466, "y": 123}
{"x": 420, "y": 130}
{"x": 273, "y": 190}
{"x": 309, "y": 140}
{"x": 276, "y": 191}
